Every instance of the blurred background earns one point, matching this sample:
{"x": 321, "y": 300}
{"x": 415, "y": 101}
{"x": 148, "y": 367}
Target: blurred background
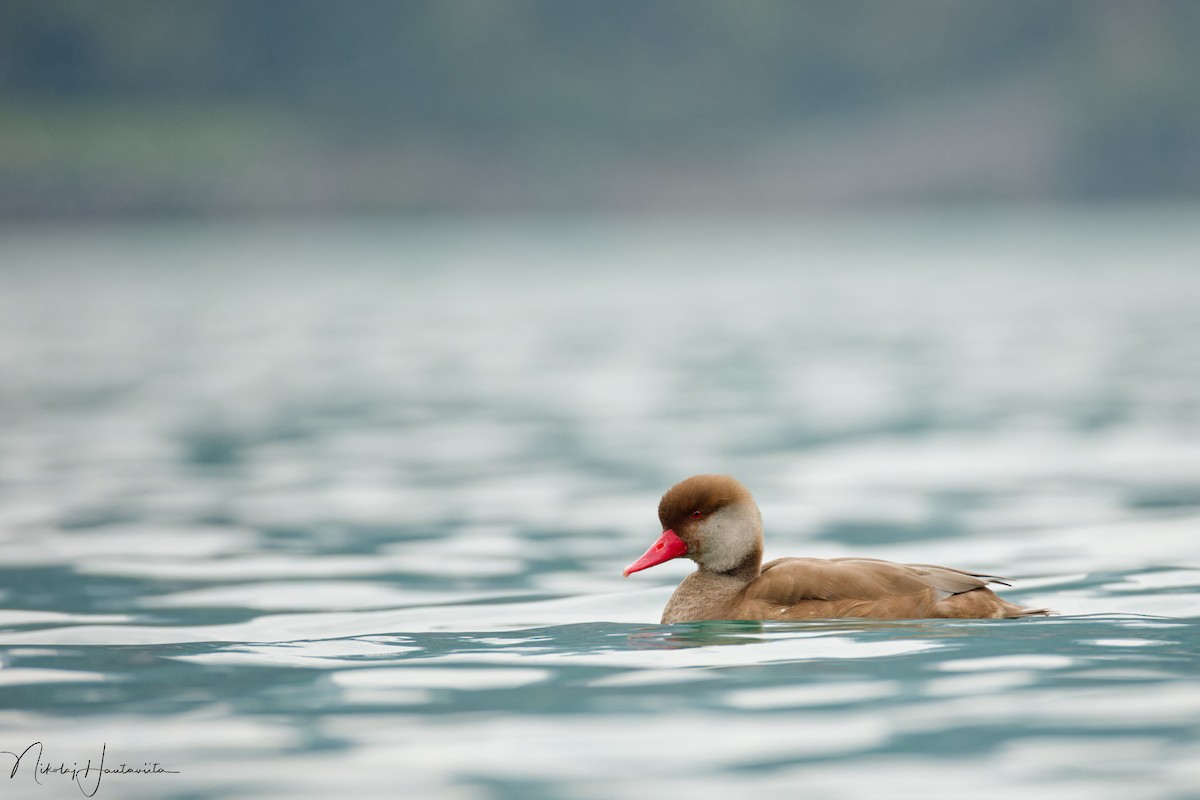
{"x": 229, "y": 108}
{"x": 346, "y": 349}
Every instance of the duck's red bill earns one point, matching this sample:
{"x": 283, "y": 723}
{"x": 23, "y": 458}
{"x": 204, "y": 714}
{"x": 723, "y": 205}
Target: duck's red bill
{"x": 667, "y": 547}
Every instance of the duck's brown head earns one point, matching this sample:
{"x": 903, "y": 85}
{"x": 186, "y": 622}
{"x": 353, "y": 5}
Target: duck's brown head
{"x": 711, "y": 519}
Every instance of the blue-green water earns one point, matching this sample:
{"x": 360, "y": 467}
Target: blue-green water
{"x": 318, "y": 510}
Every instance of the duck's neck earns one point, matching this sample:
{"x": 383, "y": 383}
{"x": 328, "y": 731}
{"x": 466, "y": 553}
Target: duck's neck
{"x": 732, "y": 542}
{"x": 745, "y": 570}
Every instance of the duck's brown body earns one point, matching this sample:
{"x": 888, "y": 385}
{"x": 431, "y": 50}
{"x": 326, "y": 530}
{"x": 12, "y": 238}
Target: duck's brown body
{"x": 713, "y": 520}
{"x": 814, "y": 588}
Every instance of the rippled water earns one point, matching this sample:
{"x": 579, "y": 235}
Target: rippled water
{"x": 316, "y": 511}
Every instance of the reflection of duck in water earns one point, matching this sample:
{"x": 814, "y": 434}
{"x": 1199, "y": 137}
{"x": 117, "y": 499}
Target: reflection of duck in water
{"x": 713, "y": 520}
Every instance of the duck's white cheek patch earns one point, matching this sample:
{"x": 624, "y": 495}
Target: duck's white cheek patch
{"x": 728, "y": 535}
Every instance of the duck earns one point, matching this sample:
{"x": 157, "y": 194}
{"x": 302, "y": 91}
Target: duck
{"x": 714, "y": 521}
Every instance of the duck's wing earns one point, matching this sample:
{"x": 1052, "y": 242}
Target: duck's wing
{"x": 943, "y": 579}
{"x": 809, "y": 587}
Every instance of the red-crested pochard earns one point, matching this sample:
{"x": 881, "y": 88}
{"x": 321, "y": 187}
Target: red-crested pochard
{"x": 714, "y": 521}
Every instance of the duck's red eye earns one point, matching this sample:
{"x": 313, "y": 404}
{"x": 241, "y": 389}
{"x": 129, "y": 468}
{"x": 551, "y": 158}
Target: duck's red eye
{"x": 697, "y": 514}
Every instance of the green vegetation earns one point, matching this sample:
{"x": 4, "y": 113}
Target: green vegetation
{"x": 274, "y": 106}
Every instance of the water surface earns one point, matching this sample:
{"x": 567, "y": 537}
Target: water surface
{"x": 341, "y": 510}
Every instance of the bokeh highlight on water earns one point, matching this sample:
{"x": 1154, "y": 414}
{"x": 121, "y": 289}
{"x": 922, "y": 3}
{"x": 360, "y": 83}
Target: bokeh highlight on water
{"x": 341, "y": 510}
